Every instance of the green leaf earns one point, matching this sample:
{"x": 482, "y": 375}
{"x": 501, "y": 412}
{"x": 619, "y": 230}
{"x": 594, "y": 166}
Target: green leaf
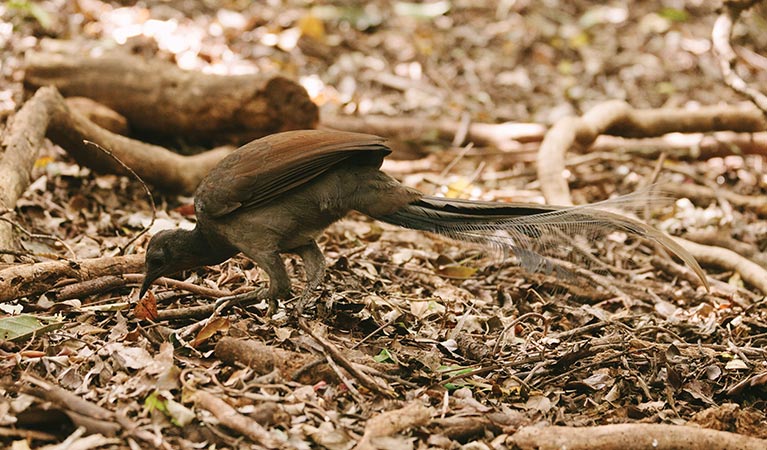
{"x": 383, "y": 356}
{"x": 454, "y": 370}
{"x": 178, "y": 414}
{"x": 33, "y": 9}
{"x": 674, "y": 15}
{"x": 22, "y": 327}
{"x": 156, "y": 401}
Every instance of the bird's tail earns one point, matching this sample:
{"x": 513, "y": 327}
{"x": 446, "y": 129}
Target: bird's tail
{"x": 532, "y": 232}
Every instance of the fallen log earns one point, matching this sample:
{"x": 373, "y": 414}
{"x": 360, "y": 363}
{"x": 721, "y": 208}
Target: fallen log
{"x": 159, "y": 98}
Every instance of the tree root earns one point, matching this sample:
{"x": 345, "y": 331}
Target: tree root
{"x": 751, "y": 272}
{"x": 505, "y": 136}
{"x": 618, "y": 118}
{"x": 154, "y": 164}
{"x": 19, "y": 148}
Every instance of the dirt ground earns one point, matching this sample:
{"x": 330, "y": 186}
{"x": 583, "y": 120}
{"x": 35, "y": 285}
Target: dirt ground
{"x": 462, "y": 346}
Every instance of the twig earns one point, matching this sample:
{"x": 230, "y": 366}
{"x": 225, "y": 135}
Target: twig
{"x": 344, "y": 379}
{"x": 103, "y": 284}
{"x": 89, "y": 412}
{"x": 140, "y": 180}
{"x": 374, "y": 332}
{"x": 471, "y": 373}
{"x": 551, "y": 380}
{"x": 39, "y": 235}
{"x": 455, "y": 160}
{"x": 333, "y": 352}
{"x": 220, "y": 305}
{"x": 514, "y": 324}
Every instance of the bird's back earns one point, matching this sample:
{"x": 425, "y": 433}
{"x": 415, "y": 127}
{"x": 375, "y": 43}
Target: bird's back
{"x": 262, "y": 170}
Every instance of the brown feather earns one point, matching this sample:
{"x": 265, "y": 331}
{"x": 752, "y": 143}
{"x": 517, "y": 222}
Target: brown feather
{"x": 262, "y": 170}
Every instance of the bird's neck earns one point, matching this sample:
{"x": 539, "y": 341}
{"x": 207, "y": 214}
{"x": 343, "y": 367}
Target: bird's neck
{"x": 196, "y": 246}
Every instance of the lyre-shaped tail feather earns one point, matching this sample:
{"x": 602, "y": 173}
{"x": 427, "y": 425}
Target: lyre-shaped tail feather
{"x": 529, "y": 230}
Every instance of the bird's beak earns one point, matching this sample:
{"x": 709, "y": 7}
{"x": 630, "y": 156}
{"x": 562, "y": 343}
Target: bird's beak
{"x": 148, "y": 280}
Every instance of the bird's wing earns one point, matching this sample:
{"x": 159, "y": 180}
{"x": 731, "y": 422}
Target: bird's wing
{"x": 264, "y": 169}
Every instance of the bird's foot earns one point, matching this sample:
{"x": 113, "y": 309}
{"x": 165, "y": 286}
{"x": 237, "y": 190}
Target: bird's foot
{"x": 272, "y": 298}
{"x": 301, "y": 304}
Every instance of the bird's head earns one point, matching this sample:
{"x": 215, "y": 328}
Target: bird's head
{"x": 168, "y": 252}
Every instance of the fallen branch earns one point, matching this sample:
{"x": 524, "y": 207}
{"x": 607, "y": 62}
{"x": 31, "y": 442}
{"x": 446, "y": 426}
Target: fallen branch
{"x": 107, "y": 283}
{"x": 697, "y": 193}
{"x": 265, "y": 358}
{"x": 618, "y": 118}
{"x": 463, "y": 428}
{"x": 631, "y": 436}
{"x": 32, "y": 279}
{"x": 159, "y": 98}
{"x": 96, "y": 419}
{"x": 718, "y": 288}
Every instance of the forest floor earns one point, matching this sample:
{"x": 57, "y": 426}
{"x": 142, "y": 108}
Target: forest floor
{"x": 460, "y": 343}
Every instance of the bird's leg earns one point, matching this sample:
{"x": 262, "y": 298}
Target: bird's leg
{"x": 279, "y": 281}
{"x": 314, "y": 265}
